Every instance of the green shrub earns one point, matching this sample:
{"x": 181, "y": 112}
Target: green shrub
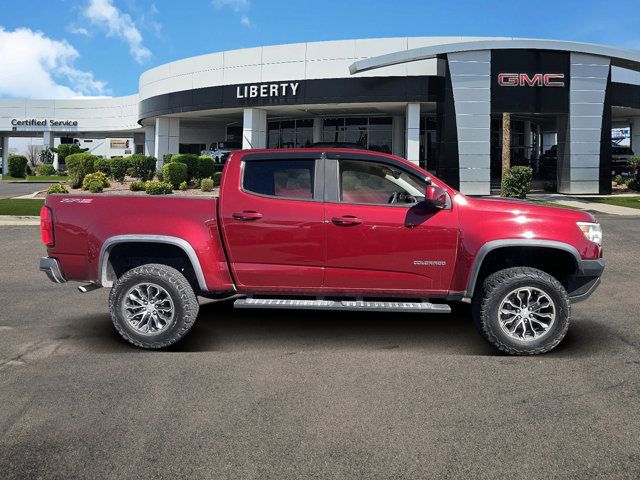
{"x": 46, "y": 169}
{"x": 550, "y": 187}
{"x": 190, "y": 160}
{"x": 634, "y": 166}
{"x": 79, "y": 165}
{"x": 144, "y": 167}
{"x": 617, "y": 179}
{"x": 632, "y": 184}
{"x": 166, "y": 158}
{"x": 130, "y": 171}
{"x": 517, "y": 182}
{"x": 29, "y": 171}
{"x": 183, "y": 186}
{"x": 118, "y": 168}
{"x": 57, "y": 188}
{"x": 206, "y": 167}
{"x": 160, "y": 175}
{"x": 17, "y": 166}
{"x": 102, "y": 165}
{"x": 158, "y": 188}
{"x": 136, "y": 186}
{"x": 206, "y": 184}
{"x": 175, "y": 173}
{"x": 95, "y": 182}
{"x": 217, "y": 178}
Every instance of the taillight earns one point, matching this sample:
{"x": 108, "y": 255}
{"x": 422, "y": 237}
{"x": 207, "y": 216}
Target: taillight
{"x": 46, "y": 226}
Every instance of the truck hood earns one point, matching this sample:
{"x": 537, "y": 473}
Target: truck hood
{"x": 523, "y": 207}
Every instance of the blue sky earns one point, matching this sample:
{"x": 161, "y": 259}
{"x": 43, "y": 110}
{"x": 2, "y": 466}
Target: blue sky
{"x": 65, "y": 48}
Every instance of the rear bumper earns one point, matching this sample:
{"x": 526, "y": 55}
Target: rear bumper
{"x": 51, "y": 267}
{"x": 586, "y": 280}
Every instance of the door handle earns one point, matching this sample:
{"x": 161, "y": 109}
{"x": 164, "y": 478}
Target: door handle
{"x": 247, "y": 216}
{"x": 346, "y": 220}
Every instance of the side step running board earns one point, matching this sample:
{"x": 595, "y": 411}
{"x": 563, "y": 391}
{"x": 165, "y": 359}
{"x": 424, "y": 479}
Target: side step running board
{"x": 350, "y": 305}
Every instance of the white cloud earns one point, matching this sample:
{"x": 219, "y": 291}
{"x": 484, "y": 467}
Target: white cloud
{"x": 35, "y": 66}
{"x": 238, "y": 6}
{"x": 103, "y": 14}
{"x": 78, "y": 30}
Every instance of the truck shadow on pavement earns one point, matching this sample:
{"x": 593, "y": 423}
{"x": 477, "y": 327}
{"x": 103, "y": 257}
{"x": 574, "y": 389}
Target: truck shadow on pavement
{"x": 222, "y": 328}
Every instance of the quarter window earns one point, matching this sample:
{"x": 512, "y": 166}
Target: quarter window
{"x": 378, "y": 183}
{"x": 280, "y": 178}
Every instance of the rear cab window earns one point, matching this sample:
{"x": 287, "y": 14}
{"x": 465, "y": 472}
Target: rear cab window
{"x": 292, "y": 179}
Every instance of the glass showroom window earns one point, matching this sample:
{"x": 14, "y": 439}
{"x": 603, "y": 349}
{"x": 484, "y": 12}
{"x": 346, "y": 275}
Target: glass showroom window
{"x": 373, "y": 133}
{"x": 290, "y": 134}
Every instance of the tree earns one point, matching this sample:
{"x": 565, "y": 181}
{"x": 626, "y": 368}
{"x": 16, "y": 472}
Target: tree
{"x": 506, "y": 146}
{"x": 33, "y": 154}
{"x": 65, "y": 150}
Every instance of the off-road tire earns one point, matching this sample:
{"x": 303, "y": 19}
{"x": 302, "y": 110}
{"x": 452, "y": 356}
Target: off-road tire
{"x": 178, "y": 287}
{"x": 495, "y": 287}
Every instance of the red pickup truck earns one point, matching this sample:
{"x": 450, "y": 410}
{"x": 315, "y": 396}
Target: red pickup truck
{"x": 327, "y": 229}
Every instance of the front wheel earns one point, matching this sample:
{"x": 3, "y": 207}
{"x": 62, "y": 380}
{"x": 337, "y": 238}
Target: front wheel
{"x": 522, "y": 311}
{"x": 153, "y": 306}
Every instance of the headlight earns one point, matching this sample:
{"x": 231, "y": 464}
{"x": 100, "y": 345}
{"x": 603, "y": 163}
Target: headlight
{"x": 593, "y": 231}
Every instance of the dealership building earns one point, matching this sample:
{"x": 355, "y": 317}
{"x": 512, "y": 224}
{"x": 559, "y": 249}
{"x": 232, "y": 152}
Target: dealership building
{"x": 437, "y": 101}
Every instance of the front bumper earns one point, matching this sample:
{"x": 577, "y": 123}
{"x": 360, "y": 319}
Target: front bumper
{"x": 51, "y": 267}
{"x": 586, "y": 280}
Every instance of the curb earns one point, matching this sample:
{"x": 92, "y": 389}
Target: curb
{"x": 15, "y": 220}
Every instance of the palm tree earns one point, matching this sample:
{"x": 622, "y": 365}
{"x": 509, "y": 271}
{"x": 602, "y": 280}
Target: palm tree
{"x": 506, "y": 146}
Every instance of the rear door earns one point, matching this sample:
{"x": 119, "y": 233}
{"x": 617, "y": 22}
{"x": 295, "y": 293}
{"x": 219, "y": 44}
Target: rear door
{"x": 272, "y": 221}
{"x": 374, "y": 246}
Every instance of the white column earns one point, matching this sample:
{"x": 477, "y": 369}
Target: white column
{"x": 397, "y": 139}
{"x": 166, "y": 138}
{"x": 412, "y": 132}
{"x": 254, "y": 128}
{"x": 5, "y": 155}
{"x": 150, "y": 141}
{"x": 317, "y": 130}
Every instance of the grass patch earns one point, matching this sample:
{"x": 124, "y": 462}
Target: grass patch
{"x": 631, "y": 202}
{"x": 38, "y": 178}
{"x": 20, "y": 206}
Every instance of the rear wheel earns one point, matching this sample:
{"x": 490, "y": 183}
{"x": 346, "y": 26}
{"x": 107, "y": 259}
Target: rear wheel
{"x": 522, "y": 311}
{"x": 153, "y": 306}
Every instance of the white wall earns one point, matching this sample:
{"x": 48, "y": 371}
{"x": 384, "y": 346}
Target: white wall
{"x": 299, "y": 61}
{"x": 92, "y": 114}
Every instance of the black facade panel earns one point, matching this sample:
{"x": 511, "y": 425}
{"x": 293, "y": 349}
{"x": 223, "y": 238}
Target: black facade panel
{"x": 529, "y": 99}
{"x": 308, "y": 92}
{"x": 624, "y": 94}
{"x": 448, "y": 167}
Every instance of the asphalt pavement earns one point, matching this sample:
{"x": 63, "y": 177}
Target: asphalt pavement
{"x": 271, "y": 394}
{"x": 15, "y": 189}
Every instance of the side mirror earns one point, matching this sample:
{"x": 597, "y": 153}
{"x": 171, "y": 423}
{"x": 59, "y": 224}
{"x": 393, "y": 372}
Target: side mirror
{"x": 435, "y": 196}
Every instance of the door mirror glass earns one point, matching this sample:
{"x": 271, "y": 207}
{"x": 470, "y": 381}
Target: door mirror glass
{"x": 436, "y": 196}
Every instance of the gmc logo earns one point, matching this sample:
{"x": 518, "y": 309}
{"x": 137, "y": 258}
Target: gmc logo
{"x": 537, "y": 80}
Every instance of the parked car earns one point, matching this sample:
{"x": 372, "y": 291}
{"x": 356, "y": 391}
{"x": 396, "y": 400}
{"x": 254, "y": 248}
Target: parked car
{"x": 322, "y": 229}
{"x": 220, "y": 151}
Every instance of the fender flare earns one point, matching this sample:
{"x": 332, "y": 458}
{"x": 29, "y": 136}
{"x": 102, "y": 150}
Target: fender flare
{"x": 111, "y": 242}
{"x": 516, "y": 242}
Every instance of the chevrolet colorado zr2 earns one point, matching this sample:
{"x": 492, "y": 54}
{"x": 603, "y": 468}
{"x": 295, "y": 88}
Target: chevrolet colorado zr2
{"x": 327, "y": 229}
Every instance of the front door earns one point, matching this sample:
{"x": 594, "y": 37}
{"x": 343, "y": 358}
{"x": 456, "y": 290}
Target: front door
{"x": 272, "y": 222}
{"x": 377, "y": 240}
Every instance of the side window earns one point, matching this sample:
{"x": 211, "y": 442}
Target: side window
{"x": 378, "y": 183}
{"x": 280, "y": 178}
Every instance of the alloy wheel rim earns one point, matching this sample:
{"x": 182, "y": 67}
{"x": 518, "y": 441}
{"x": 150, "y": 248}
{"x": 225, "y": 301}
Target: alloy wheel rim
{"x": 148, "y": 308}
{"x": 526, "y": 314}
